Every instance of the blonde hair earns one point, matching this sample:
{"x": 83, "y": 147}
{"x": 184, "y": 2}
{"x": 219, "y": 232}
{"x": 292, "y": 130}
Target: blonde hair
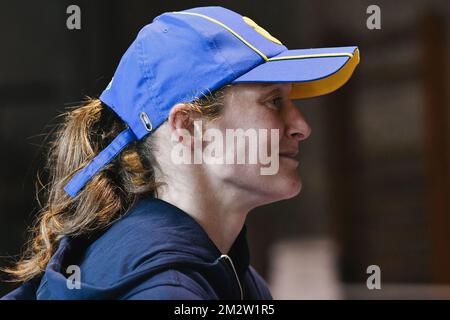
{"x": 84, "y": 132}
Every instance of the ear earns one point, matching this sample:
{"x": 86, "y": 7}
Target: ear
{"x": 181, "y": 123}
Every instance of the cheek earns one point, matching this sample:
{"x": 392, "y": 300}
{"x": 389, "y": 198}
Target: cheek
{"x": 246, "y": 115}
{"x": 264, "y": 123}
{"x": 283, "y": 185}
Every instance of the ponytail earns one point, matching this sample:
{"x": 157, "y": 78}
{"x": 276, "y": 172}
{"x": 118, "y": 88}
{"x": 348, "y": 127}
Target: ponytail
{"x": 85, "y": 131}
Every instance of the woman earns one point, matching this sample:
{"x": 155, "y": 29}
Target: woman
{"x": 124, "y": 217}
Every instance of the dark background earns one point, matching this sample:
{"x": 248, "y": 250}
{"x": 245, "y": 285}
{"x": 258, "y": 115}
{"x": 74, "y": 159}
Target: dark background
{"x": 375, "y": 170}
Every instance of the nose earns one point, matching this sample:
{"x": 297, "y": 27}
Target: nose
{"x": 297, "y": 126}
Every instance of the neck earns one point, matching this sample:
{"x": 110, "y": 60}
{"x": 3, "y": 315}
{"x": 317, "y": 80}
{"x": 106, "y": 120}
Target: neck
{"x": 221, "y": 214}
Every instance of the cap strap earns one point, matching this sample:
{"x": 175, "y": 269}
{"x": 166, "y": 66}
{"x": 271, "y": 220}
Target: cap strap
{"x": 101, "y": 160}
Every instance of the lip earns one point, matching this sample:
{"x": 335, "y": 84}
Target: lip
{"x": 290, "y": 158}
{"x": 290, "y": 155}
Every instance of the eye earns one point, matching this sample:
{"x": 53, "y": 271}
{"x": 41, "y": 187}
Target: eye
{"x": 275, "y": 102}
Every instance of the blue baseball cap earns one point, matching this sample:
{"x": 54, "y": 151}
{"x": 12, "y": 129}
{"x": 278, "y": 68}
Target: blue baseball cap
{"x": 184, "y": 55}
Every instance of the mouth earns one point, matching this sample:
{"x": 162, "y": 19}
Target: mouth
{"x": 290, "y": 155}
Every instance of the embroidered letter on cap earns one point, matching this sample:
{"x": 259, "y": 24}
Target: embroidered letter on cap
{"x": 261, "y": 30}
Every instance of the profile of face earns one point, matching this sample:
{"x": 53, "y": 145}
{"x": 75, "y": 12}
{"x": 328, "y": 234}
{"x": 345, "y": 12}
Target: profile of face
{"x": 278, "y": 127}
{"x": 267, "y": 107}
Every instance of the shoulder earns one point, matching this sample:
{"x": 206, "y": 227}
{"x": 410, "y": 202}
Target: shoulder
{"x": 118, "y": 251}
{"x": 259, "y": 284}
{"x": 169, "y": 285}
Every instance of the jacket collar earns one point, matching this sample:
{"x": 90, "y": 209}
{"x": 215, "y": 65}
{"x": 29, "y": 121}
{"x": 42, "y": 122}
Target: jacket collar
{"x": 190, "y": 235}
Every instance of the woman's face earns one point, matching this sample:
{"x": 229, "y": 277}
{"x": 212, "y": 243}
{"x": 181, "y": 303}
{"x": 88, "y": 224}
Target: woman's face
{"x": 263, "y": 111}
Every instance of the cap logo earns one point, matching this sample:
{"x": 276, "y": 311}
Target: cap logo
{"x": 261, "y": 30}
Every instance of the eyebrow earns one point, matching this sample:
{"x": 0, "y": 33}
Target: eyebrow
{"x": 273, "y": 91}
{"x": 276, "y": 85}
{"x": 268, "y": 90}
{"x": 269, "y": 84}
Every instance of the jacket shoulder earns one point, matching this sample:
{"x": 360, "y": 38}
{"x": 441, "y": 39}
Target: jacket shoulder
{"x": 259, "y": 285}
{"x": 169, "y": 285}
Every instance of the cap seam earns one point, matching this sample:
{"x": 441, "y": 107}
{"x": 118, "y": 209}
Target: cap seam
{"x": 223, "y": 25}
{"x": 214, "y": 43}
{"x": 215, "y": 51}
{"x": 148, "y": 75}
{"x": 312, "y": 56}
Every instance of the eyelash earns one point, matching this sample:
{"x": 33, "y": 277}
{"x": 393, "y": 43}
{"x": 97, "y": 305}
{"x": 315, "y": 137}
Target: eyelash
{"x": 275, "y": 102}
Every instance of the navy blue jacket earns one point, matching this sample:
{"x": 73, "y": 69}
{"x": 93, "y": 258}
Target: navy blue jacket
{"x": 156, "y": 251}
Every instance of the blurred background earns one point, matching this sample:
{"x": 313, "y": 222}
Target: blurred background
{"x": 376, "y": 176}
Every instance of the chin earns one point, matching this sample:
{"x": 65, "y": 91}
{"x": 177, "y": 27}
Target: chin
{"x": 268, "y": 188}
{"x": 283, "y": 188}
{"x": 292, "y": 188}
